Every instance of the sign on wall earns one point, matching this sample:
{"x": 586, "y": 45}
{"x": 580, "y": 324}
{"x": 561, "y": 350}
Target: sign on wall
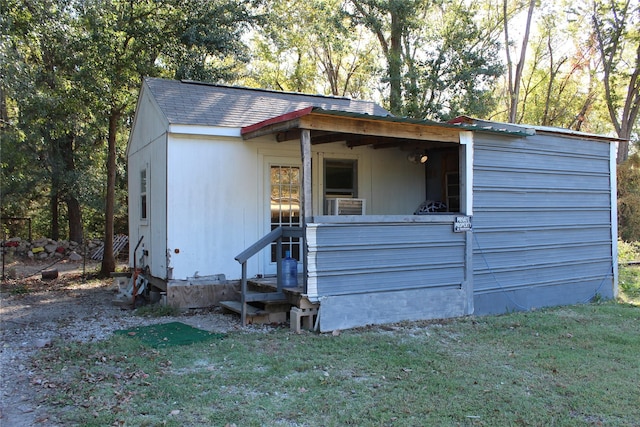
{"x": 463, "y": 223}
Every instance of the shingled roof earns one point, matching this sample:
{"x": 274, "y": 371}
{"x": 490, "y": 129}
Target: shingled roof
{"x": 195, "y": 103}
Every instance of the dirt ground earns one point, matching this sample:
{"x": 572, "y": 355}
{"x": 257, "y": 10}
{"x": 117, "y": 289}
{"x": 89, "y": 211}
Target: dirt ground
{"x": 35, "y": 312}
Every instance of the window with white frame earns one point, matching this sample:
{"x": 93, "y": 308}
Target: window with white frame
{"x": 340, "y": 179}
{"x": 143, "y": 194}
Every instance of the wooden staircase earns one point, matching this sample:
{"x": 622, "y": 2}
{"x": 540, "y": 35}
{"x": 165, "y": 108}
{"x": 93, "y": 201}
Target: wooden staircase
{"x": 266, "y": 305}
{"x": 266, "y": 300}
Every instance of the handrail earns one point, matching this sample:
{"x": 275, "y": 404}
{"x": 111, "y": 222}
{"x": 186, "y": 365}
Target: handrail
{"x": 275, "y": 235}
{"x": 243, "y": 256}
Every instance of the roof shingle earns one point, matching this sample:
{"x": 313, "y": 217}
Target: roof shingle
{"x": 194, "y": 103}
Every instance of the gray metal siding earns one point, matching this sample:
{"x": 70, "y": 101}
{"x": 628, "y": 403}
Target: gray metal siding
{"x": 542, "y": 222}
{"x": 367, "y": 258}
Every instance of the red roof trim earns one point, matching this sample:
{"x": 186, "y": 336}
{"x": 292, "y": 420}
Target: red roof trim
{"x": 460, "y": 119}
{"x": 278, "y": 119}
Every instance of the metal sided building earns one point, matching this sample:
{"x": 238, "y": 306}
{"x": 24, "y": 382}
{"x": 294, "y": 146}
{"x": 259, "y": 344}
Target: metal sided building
{"x": 390, "y": 218}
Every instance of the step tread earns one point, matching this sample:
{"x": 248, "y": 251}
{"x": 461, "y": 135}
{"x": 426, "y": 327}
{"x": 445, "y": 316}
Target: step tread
{"x": 236, "y": 306}
{"x": 268, "y": 297}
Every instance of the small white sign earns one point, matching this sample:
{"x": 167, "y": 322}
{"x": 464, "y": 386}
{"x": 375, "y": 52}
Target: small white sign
{"x": 463, "y": 223}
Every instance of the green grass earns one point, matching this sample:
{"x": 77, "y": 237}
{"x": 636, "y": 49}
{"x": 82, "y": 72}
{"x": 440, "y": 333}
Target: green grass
{"x": 568, "y": 366}
{"x": 157, "y": 310}
{"x": 629, "y": 284}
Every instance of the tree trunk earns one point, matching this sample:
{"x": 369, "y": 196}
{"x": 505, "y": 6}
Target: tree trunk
{"x": 75, "y": 219}
{"x": 108, "y": 259}
{"x": 515, "y": 92}
{"x": 395, "y": 64}
{"x": 74, "y": 213}
{"x": 55, "y": 215}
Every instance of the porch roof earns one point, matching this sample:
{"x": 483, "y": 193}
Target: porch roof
{"x": 357, "y": 129}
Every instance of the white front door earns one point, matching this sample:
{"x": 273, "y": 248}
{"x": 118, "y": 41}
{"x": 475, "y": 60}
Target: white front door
{"x": 283, "y": 199}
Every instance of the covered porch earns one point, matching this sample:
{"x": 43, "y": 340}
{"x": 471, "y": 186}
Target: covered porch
{"x": 364, "y": 267}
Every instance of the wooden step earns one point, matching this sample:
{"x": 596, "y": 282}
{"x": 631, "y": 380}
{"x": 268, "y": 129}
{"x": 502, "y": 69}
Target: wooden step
{"x": 265, "y": 297}
{"x": 236, "y": 307}
{"x": 271, "y": 313}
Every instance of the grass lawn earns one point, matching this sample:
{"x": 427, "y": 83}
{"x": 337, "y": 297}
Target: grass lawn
{"x": 566, "y": 366}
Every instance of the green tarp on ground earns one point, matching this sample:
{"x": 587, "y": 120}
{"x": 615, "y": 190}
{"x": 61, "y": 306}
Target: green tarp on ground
{"x": 169, "y": 334}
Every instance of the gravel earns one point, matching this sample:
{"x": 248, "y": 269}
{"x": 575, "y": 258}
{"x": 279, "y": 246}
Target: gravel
{"x": 35, "y": 313}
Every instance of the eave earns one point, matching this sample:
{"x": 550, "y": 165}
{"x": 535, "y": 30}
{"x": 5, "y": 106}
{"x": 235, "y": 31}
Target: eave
{"x": 355, "y": 129}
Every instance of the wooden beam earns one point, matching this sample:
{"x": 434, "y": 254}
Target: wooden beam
{"x": 305, "y": 148}
{"x": 326, "y": 138}
{"x": 316, "y": 137}
{"x": 288, "y": 135}
{"x": 307, "y": 199}
{"x": 378, "y": 127}
{"x": 271, "y": 129}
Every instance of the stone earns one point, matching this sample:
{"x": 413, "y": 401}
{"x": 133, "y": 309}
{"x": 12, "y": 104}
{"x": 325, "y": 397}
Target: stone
{"x": 73, "y": 256}
{"x": 51, "y": 247}
{"x": 40, "y": 242}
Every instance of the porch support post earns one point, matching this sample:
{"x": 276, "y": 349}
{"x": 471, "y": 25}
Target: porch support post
{"x": 307, "y": 200}
{"x": 305, "y": 147}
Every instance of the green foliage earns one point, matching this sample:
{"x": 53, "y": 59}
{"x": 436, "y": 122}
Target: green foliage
{"x": 441, "y": 62}
{"x": 562, "y": 366}
{"x": 628, "y": 251}
{"x": 157, "y": 310}
{"x": 629, "y": 282}
{"x": 459, "y": 66}
{"x": 629, "y": 199}
{"x": 559, "y": 84}
{"x": 323, "y": 50}
{"x": 71, "y": 74}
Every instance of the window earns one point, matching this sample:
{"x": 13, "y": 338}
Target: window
{"x": 453, "y": 191}
{"x": 143, "y": 194}
{"x": 285, "y": 190}
{"x": 340, "y": 179}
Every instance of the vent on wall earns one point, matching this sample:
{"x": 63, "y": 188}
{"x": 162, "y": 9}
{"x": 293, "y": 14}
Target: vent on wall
{"x": 344, "y": 206}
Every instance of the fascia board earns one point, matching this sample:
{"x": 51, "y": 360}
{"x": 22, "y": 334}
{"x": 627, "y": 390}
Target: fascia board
{"x": 204, "y": 130}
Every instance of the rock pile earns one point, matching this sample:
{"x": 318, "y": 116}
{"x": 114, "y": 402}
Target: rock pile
{"x": 44, "y": 248}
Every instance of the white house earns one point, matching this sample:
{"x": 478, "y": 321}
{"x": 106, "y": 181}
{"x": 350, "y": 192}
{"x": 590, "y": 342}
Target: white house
{"x": 517, "y": 217}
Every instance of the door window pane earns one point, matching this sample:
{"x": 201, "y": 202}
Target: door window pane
{"x": 285, "y": 188}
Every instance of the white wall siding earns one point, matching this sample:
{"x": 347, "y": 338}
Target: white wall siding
{"x": 217, "y": 189}
{"x": 147, "y": 150}
{"x": 542, "y": 222}
{"x": 212, "y": 205}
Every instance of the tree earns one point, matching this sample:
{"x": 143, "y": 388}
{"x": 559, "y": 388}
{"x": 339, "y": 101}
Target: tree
{"x": 558, "y": 83}
{"x": 515, "y": 76}
{"x": 616, "y": 26}
{"x": 322, "y": 50}
{"x": 125, "y": 40}
{"x": 454, "y": 66}
{"x": 39, "y": 72}
{"x": 441, "y": 62}
{"x": 392, "y": 23}
{"x": 629, "y": 199}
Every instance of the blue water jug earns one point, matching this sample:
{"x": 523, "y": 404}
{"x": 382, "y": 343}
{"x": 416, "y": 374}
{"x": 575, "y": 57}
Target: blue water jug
{"x": 289, "y": 271}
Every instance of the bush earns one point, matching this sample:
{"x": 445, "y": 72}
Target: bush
{"x": 628, "y": 251}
